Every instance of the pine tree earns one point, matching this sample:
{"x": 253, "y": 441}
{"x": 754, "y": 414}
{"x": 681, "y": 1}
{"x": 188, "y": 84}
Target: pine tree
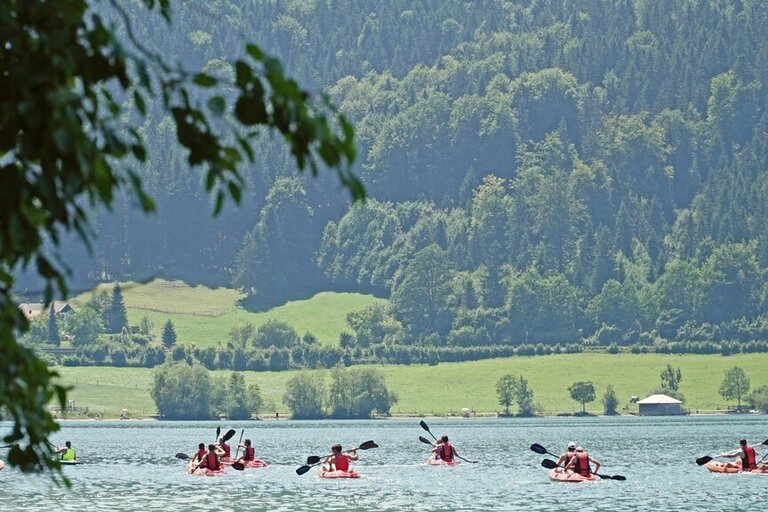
{"x": 53, "y": 328}
{"x": 116, "y": 316}
{"x": 169, "y": 334}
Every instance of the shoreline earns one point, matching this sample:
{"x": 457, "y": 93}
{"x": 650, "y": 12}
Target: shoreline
{"x": 478, "y": 416}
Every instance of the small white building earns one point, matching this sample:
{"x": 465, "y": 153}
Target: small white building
{"x": 660, "y": 405}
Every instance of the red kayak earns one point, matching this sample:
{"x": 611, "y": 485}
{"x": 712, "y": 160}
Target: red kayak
{"x": 721, "y": 467}
{"x": 255, "y": 463}
{"x": 561, "y": 475}
{"x": 249, "y": 464}
{"x": 338, "y": 474}
{"x": 435, "y": 461}
{"x": 205, "y": 471}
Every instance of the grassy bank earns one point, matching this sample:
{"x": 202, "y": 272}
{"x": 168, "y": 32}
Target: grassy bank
{"x": 449, "y": 387}
{"x": 204, "y": 316}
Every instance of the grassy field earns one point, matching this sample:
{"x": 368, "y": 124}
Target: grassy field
{"x": 447, "y": 388}
{"x": 204, "y": 316}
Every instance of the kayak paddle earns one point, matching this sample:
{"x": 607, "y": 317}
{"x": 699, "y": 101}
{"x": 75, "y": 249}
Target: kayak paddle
{"x": 703, "y": 460}
{"x": 239, "y": 442}
{"x": 314, "y": 460}
{"x": 426, "y": 427}
{"x": 182, "y": 456}
{"x": 218, "y": 431}
{"x": 550, "y": 464}
{"x": 541, "y": 450}
{"x": 229, "y": 435}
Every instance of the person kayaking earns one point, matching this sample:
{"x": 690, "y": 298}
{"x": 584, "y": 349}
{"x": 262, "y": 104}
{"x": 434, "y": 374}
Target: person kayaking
{"x": 339, "y": 461}
{"x": 570, "y": 451}
{"x": 444, "y": 450}
{"x": 66, "y": 453}
{"x": 249, "y": 453}
{"x": 200, "y": 453}
{"x": 224, "y": 450}
{"x": 579, "y": 463}
{"x": 747, "y": 455}
{"x": 211, "y": 459}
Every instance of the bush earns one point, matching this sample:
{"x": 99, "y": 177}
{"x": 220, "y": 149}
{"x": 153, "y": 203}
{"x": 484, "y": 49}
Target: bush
{"x": 182, "y": 392}
{"x": 304, "y": 396}
{"x": 358, "y": 393}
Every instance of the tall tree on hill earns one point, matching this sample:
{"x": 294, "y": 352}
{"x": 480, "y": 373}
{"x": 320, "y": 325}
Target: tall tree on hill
{"x": 169, "y": 335}
{"x": 423, "y": 299}
{"x": 116, "y": 316}
{"x": 53, "y": 328}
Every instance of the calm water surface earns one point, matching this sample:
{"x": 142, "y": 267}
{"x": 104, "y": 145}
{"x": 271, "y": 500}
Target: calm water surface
{"x": 131, "y": 466}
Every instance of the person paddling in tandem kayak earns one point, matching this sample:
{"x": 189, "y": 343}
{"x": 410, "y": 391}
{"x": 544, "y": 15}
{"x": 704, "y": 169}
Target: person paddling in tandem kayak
{"x": 67, "y": 453}
{"x": 199, "y": 454}
{"x": 445, "y": 451}
{"x": 565, "y": 458}
{"x": 248, "y": 458}
{"x": 339, "y": 461}
{"x": 579, "y": 463}
{"x": 747, "y": 455}
{"x": 223, "y": 450}
{"x": 210, "y": 460}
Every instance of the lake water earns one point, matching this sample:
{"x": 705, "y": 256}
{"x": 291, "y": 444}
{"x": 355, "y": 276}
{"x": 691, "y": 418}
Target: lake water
{"x": 131, "y": 466}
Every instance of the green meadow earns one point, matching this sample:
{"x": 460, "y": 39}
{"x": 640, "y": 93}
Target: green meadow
{"x": 447, "y": 388}
{"x": 204, "y": 316}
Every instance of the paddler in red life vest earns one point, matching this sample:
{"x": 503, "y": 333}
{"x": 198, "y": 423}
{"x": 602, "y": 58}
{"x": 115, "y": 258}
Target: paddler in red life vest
{"x": 579, "y": 463}
{"x": 339, "y": 461}
{"x": 210, "y": 459}
{"x": 249, "y": 453}
{"x": 200, "y": 453}
{"x": 224, "y": 450}
{"x": 444, "y": 450}
{"x": 570, "y": 451}
{"x": 747, "y": 455}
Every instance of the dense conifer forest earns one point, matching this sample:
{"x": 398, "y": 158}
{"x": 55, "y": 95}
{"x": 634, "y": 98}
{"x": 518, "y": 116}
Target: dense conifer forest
{"x": 539, "y": 172}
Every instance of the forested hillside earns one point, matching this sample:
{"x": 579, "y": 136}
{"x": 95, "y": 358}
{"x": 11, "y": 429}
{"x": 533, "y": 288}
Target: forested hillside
{"x": 538, "y": 172}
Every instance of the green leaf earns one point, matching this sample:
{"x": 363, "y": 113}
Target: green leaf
{"x": 250, "y": 110}
{"x": 139, "y": 152}
{"x": 235, "y": 191}
{"x": 204, "y": 80}
{"x": 254, "y": 51}
{"x": 138, "y": 100}
{"x": 243, "y": 74}
{"x": 217, "y": 105}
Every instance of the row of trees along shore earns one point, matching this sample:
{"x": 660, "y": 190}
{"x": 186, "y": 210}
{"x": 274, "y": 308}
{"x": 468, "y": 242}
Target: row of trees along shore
{"x": 184, "y": 392}
{"x": 99, "y": 334}
{"x": 514, "y": 390}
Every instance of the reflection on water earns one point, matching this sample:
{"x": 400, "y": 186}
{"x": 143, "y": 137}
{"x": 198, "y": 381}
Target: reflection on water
{"x": 131, "y": 466}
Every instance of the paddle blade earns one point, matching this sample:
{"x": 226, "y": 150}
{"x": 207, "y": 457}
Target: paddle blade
{"x": 765, "y": 442}
{"x": 218, "y": 431}
{"x": 618, "y": 477}
{"x": 314, "y": 459}
{"x": 238, "y": 466}
{"x": 424, "y": 426}
{"x": 425, "y": 440}
{"x": 302, "y": 470}
{"x": 602, "y": 477}
{"x": 703, "y": 460}
{"x": 538, "y": 448}
{"x": 549, "y": 463}
{"x": 230, "y": 434}
{"x": 182, "y": 456}
{"x": 368, "y": 445}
